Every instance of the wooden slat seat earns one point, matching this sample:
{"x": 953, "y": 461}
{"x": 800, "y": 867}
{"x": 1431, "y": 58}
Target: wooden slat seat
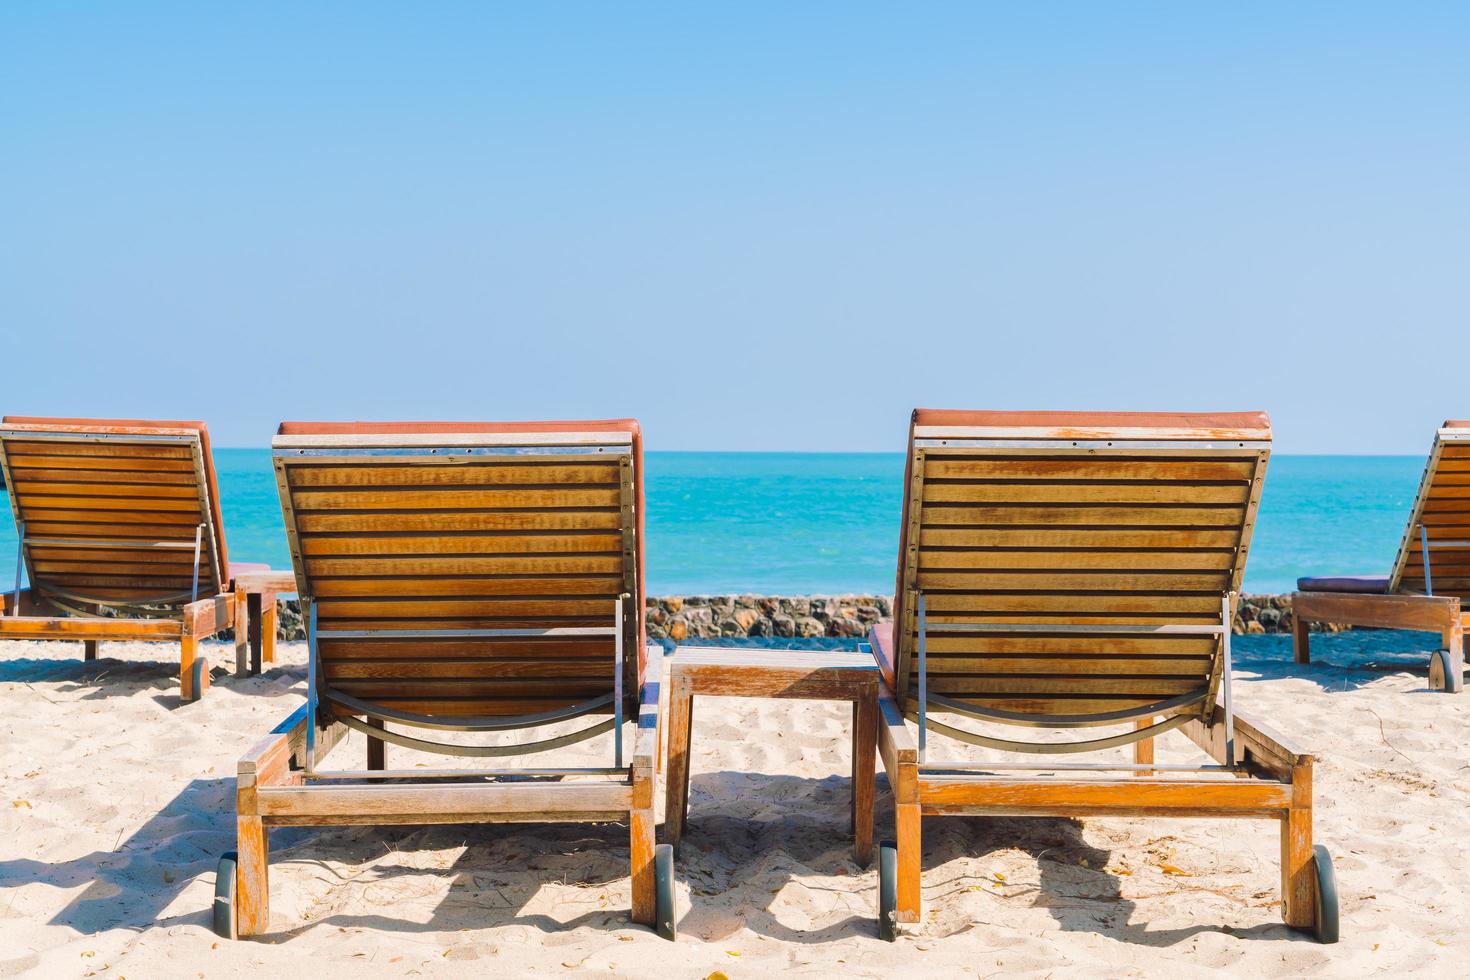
{"x": 564, "y": 559}
{"x": 1006, "y": 528}
{"x": 467, "y": 577}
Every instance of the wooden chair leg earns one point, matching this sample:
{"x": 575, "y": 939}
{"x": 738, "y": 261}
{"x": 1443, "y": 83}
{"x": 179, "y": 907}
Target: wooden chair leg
{"x": 249, "y": 631}
{"x": 676, "y": 802}
{"x": 242, "y": 633}
{"x": 907, "y": 818}
{"x": 640, "y": 851}
{"x": 1454, "y": 645}
{"x": 852, "y": 774}
{"x": 262, "y": 627}
{"x": 1298, "y": 872}
{"x": 89, "y": 649}
{"x": 252, "y": 894}
{"x": 268, "y": 626}
{"x": 864, "y": 765}
{"x": 1143, "y": 750}
{"x": 1301, "y": 642}
{"x": 376, "y": 748}
{"x": 188, "y": 650}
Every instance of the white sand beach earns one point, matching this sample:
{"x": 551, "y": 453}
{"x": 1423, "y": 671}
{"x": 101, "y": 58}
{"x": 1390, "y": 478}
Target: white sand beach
{"x": 117, "y": 802}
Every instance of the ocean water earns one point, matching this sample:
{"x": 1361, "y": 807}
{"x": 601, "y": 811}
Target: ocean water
{"x": 799, "y": 523}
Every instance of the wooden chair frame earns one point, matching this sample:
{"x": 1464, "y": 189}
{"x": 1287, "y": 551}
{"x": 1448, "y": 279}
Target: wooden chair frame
{"x": 1253, "y": 773}
{"x": 282, "y": 783}
{"x": 1398, "y": 607}
{"x": 44, "y": 612}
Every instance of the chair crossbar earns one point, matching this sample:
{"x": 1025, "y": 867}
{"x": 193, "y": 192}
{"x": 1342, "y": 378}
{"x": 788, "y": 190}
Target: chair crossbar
{"x": 479, "y": 751}
{"x": 27, "y": 435}
{"x": 945, "y": 703}
{"x": 489, "y": 723}
{"x": 1054, "y": 748}
{"x": 409, "y": 454}
{"x": 108, "y": 543}
{"x": 983, "y": 768}
{"x": 409, "y": 634}
{"x": 1213, "y": 629}
{"x": 430, "y": 774}
{"x": 137, "y": 606}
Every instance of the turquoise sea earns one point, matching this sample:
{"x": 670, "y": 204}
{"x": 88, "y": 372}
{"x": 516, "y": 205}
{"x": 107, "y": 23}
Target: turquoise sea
{"x": 798, "y": 523}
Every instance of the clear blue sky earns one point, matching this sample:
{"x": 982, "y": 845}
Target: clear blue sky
{"x": 755, "y": 226}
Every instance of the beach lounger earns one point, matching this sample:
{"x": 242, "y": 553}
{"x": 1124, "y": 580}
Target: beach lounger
{"x": 1431, "y": 573}
{"x": 461, "y": 578}
{"x": 1077, "y": 571}
{"x": 118, "y": 523}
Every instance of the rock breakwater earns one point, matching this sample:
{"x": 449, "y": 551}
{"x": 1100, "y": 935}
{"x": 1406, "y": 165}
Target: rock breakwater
{"x": 706, "y": 617}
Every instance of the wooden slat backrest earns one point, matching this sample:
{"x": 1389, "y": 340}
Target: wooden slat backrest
{"x": 111, "y": 508}
{"x": 1442, "y": 506}
{"x": 464, "y": 527}
{"x": 1080, "y": 520}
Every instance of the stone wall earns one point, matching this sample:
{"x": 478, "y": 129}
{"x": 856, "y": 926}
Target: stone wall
{"x": 702, "y": 617}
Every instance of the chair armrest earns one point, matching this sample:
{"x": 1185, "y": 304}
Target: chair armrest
{"x": 1267, "y": 746}
{"x": 893, "y": 729}
{"x": 1254, "y": 742}
{"x": 880, "y": 638}
{"x": 284, "y": 749}
{"x": 207, "y": 617}
{"x": 647, "y": 730}
{"x": 897, "y": 748}
{"x": 270, "y": 758}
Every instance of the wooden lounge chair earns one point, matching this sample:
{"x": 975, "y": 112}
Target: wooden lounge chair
{"x": 1062, "y": 570}
{"x": 1431, "y": 573}
{"x": 120, "y": 538}
{"x": 461, "y": 577}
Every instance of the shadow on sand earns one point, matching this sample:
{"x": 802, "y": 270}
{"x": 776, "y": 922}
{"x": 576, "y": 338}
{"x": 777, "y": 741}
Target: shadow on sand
{"x": 104, "y": 677}
{"x": 759, "y": 857}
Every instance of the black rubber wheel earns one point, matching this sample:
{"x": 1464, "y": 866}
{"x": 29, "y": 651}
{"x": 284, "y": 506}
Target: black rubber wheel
{"x": 888, "y": 891}
{"x": 224, "y": 897}
{"x": 198, "y": 677}
{"x": 1441, "y": 677}
{"x": 1326, "y": 901}
{"x": 663, "y": 883}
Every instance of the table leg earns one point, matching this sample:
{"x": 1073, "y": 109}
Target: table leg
{"x": 864, "y": 764}
{"x": 852, "y": 773}
{"x": 253, "y": 611}
{"x": 676, "y": 801}
{"x": 242, "y": 633}
{"x": 268, "y": 627}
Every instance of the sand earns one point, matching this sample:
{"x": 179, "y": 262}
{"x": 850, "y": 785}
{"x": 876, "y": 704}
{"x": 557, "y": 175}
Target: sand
{"x": 116, "y": 801}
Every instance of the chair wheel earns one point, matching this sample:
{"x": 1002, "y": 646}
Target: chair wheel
{"x": 225, "y": 880}
{"x": 888, "y": 891}
{"x": 663, "y": 883}
{"x": 1441, "y": 677}
{"x": 199, "y": 677}
{"x": 1326, "y": 905}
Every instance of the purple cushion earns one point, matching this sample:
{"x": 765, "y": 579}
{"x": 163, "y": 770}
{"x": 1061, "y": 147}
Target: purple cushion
{"x": 1366, "y": 584}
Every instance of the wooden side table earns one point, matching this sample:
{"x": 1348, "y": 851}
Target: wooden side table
{"x": 255, "y": 617}
{"x": 803, "y": 674}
